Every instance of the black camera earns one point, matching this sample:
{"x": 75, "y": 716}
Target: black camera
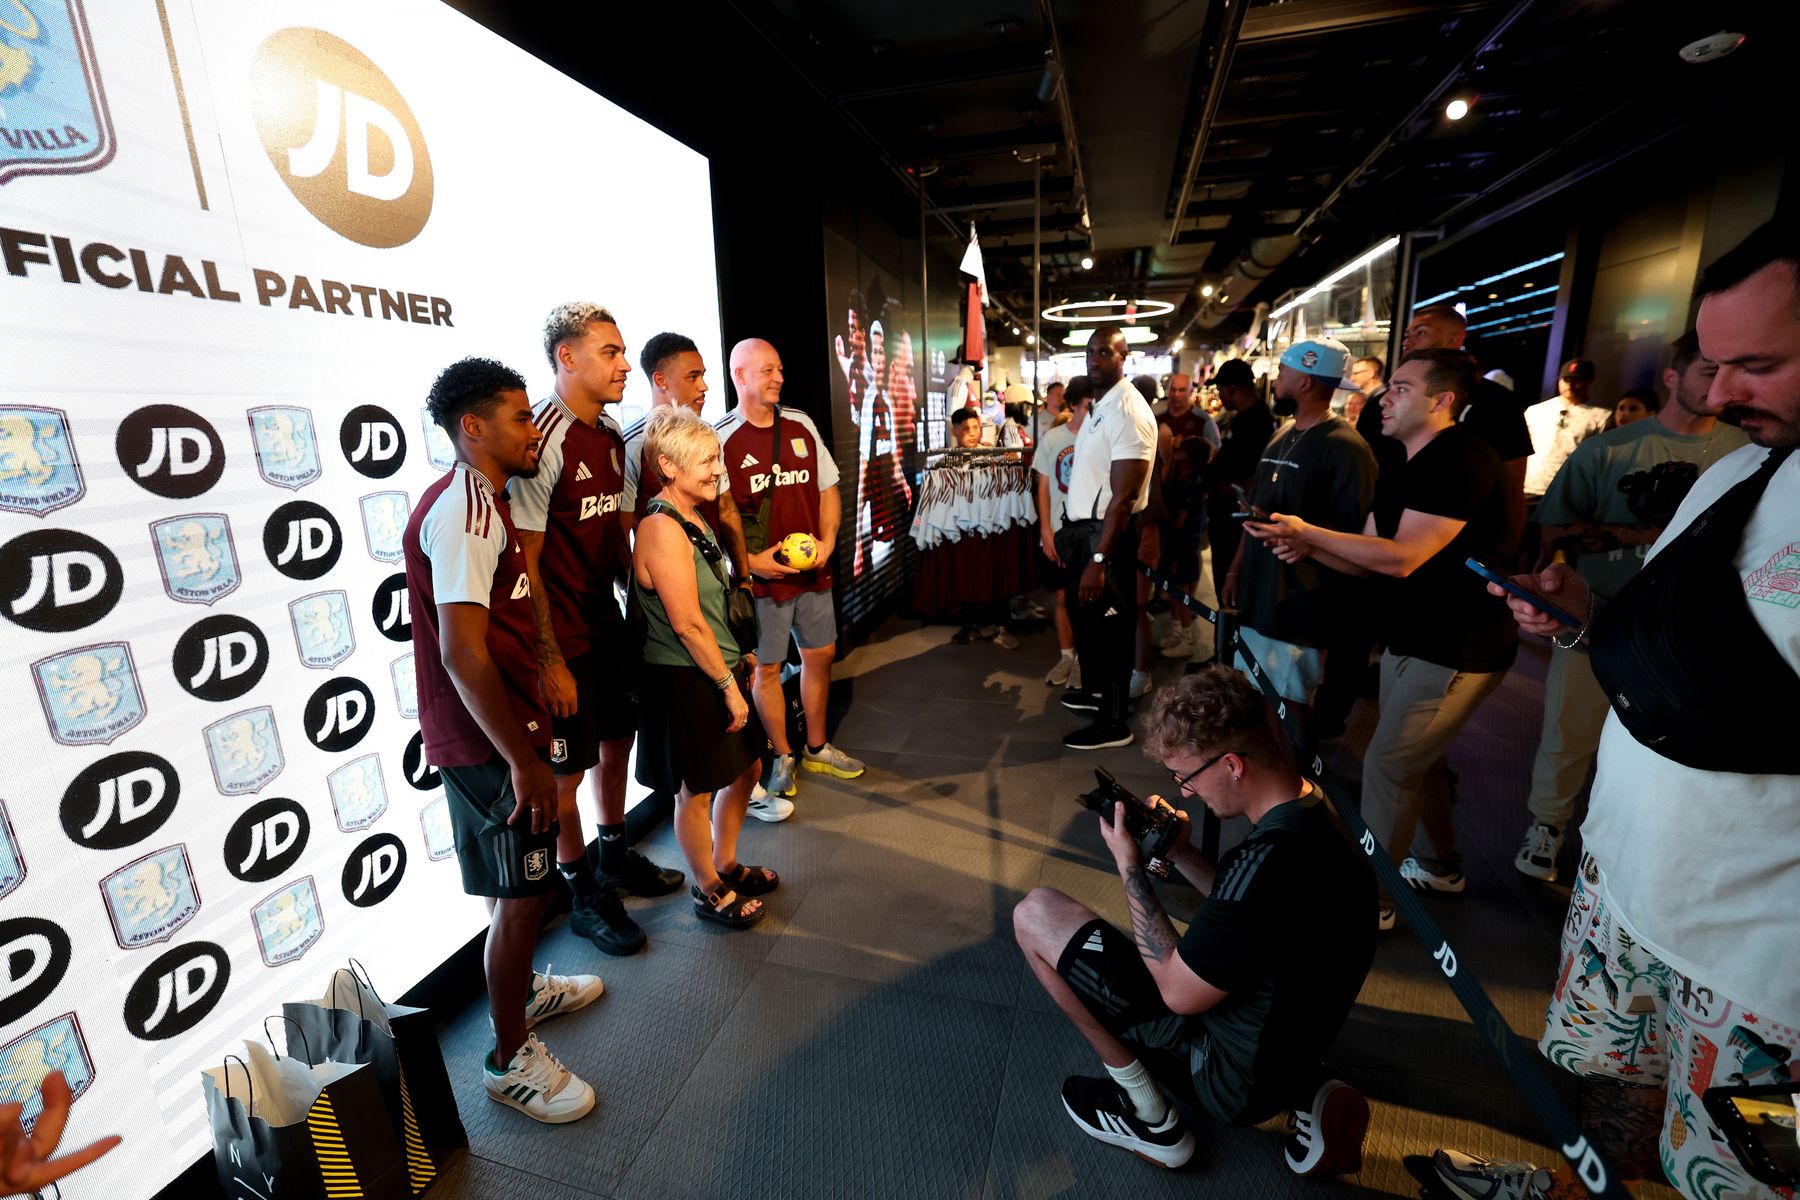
{"x": 1654, "y": 495}
{"x": 1152, "y": 826}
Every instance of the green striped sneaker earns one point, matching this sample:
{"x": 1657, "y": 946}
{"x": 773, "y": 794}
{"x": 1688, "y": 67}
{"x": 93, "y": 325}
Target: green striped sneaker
{"x": 538, "y": 1085}
{"x": 554, "y": 995}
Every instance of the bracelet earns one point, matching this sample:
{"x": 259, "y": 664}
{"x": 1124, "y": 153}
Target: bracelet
{"x": 724, "y": 681}
{"x": 1573, "y": 641}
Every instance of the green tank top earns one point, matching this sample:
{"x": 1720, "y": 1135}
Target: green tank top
{"x": 661, "y": 646}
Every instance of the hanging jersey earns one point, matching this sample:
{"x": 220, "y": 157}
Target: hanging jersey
{"x": 461, "y": 548}
{"x": 575, "y": 501}
{"x": 806, "y": 470}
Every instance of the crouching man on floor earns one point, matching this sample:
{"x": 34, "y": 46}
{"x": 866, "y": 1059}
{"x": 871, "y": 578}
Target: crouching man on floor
{"x": 1235, "y": 1016}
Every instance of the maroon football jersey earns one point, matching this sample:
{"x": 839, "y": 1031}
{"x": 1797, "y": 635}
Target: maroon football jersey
{"x": 461, "y": 547}
{"x": 806, "y": 470}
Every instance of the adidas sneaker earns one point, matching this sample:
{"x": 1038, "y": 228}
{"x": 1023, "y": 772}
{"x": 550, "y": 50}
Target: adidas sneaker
{"x": 1105, "y": 1113}
{"x": 539, "y": 1086}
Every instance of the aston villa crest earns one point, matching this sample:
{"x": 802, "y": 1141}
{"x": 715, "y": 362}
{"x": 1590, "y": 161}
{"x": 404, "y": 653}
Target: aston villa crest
{"x": 38, "y": 469}
{"x": 322, "y": 630}
{"x": 287, "y": 447}
{"x": 91, "y": 695}
{"x": 197, "y": 557}
{"x": 437, "y": 443}
{"x": 53, "y": 117}
{"x": 384, "y": 517}
{"x": 440, "y": 838}
{"x": 288, "y": 923}
{"x": 150, "y": 899}
{"x": 406, "y": 686}
{"x": 245, "y": 750}
{"x": 358, "y": 793}
{"x": 12, "y": 860}
{"x": 56, "y": 1045}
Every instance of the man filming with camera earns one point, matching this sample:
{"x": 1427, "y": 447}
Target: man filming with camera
{"x": 1235, "y": 1016}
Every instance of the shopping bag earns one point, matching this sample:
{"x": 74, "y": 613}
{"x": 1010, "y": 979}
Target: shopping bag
{"x": 300, "y": 1131}
{"x": 352, "y": 1024}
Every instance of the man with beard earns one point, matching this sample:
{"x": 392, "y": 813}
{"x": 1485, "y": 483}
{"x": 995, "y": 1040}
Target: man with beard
{"x": 1587, "y": 516}
{"x": 1248, "y": 429}
{"x": 1318, "y": 469}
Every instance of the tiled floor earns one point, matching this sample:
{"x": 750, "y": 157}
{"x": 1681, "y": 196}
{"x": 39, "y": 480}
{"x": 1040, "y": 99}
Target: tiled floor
{"x": 879, "y": 1035}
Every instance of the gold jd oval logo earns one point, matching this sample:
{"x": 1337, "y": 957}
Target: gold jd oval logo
{"x": 341, "y": 137}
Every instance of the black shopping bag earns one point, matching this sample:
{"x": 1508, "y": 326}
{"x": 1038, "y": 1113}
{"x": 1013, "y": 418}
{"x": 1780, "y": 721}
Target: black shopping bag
{"x": 294, "y": 1131}
{"x": 352, "y": 1024}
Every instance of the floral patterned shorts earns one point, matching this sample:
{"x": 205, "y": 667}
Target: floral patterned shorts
{"x": 1619, "y": 1012}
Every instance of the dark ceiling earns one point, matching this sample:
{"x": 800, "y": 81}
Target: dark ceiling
{"x": 1250, "y": 145}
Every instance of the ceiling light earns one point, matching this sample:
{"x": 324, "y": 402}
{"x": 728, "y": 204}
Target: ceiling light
{"x": 1016, "y": 331}
{"x": 1332, "y": 278}
{"x": 1134, "y": 335}
{"x": 1116, "y": 310}
{"x": 1087, "y": 262}
{"x": 1178, "y": 344}
{"x": 1206, "y": 290}
{"x": 1457, "y": 109}
{"x": 1528, "y": 285}
{"x": 1493, "y": 295}
{"x": 1031, "y": 339}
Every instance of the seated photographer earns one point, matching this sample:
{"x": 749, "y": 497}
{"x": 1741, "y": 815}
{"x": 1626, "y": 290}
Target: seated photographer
{"x": 1235, "y": 1016}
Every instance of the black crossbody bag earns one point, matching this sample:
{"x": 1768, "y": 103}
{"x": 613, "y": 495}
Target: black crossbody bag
{"x": 1683, "y": 662}
{"x": 740, "y": 606}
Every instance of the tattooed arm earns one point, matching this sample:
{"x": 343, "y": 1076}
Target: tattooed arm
{"x": 1182, "y": 990}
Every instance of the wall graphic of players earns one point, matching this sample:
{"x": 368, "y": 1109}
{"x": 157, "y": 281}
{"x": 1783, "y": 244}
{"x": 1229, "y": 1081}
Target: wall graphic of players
{"x": 882, "y": 406}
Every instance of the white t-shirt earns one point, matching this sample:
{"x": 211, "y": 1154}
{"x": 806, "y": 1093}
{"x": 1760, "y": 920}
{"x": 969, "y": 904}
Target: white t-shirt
{"x": 1120, "y": 427}
{"x": 1054, "y": 458}
{"x": 1557, "y": 426}
{"x": 1703, "y": 867}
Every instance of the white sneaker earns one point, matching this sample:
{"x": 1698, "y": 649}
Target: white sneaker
{"x": 832, "y": 761}
{"x": 1140, "y": 684}
{"x": 554, "y": 995}
{"x": 1537, "y": 854}
{"x": 765, "y": 807}
{"x": 1059, "y": 674}
{"x": 1474, "y": 1178}
{"x": 1185, "y": 644}
{"x": 1430, "y": 882}
{"x": 538, "y": 1085}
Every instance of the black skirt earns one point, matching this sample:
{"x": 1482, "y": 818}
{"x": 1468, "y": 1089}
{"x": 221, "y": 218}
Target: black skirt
{"x": 681, "y": 731}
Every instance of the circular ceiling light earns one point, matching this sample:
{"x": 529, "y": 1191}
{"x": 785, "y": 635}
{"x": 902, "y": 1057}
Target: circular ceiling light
{"x": 1109, "y": 310}
{"x": 1457, "y": 109}
{"x": 1207, "y": 291}
{"x": 1087, "y": 262}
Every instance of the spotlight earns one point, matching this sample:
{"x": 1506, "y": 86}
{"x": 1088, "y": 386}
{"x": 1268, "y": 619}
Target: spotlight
{"x": 1015, "y": 330}
{"x": 1031, "y": 339}
{"x": 1087, "y": 262}
{"x": 1177, "y": 346}
{"x": 1206, "y": 291}
{"x": 1457, "y": 109}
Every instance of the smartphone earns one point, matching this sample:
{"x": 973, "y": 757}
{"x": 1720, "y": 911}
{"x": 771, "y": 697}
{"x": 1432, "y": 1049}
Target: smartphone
{"x": 1759, "y": 1124}
{"x": 1246, "y": 510}
{"x": 1532, "y": 598}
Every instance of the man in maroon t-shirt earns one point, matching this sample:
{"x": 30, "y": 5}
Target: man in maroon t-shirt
{"x": 798, "y": 478}
{"x": 1193, "y": 438}
{"x": 570, "y": 517}
{"x": 485, "y": 728}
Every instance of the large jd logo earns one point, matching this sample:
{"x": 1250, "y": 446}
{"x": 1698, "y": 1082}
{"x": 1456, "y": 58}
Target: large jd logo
{"x": 341, "y": 137}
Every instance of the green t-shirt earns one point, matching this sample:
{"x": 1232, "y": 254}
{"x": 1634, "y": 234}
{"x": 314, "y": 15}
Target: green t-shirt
{"x": 1587, "y": 487}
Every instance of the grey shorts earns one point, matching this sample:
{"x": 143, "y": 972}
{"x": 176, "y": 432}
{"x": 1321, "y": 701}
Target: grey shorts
{"x": 505, "y": 862}
{"x": 810, "y": 617}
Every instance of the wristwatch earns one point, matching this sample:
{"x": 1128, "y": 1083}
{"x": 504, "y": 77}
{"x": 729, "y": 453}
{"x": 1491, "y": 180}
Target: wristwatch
{"x": 1100, "y": 558}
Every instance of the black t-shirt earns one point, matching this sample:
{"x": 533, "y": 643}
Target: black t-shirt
{"x": 1494, "y": 415}
{"x": 1324, "y": 475}
{"x": 1246, "y": 435}
{"x": 1442, "y": 612}
{"x": 1289, "y": 932}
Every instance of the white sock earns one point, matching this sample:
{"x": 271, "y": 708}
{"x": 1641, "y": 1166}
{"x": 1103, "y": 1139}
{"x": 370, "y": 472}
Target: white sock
{"x": 1068, "y": 654}
{"x": 1145, "y": 1096}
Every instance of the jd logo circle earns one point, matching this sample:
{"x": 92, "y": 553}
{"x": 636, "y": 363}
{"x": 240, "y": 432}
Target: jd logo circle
{"x": 341, "y": 137}
{"x": 171, "y": 451}
{"x": 374, "y": 869}
{"x": 58, "y": 580}
{"x": 302, "y": 540}
{"x": 373, "y": 441}
{"x": 266, "y": 840}
{"x": 177, "y": 991}
{"x": 120, "y": 800}
{"x": 391, "y": 608}
{"x": 34, "y": 957}
{"x": 339, "y": 714}
{"x": 419, "y": 772}
{"x": 221, "y": 658}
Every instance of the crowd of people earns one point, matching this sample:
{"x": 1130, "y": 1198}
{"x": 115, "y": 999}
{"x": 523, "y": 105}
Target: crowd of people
{"x": 1654, "y": 543}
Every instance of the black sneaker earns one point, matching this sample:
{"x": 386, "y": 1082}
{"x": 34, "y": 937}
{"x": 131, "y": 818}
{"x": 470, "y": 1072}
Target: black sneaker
{"x": 1081, "y": 701}
{"x": 642, "y": 877}
{"x": 602, "y": 920}
{"x": 1328, "y": 1137}
{"x": 1103, "y": 1111}
{"x": 1101, "y": 735}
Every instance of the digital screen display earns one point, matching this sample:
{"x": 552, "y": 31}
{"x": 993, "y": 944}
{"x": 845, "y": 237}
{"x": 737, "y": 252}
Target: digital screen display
{"x": 239, "y": 241}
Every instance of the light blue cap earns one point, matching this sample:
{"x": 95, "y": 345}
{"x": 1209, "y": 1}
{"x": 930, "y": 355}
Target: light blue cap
{"x": 1324, "y": 357}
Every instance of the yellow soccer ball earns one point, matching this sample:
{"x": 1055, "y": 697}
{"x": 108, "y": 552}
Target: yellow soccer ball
{"x": 797, "y": 550}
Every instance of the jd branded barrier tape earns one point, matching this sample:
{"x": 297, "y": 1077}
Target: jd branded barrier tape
{"x": 1524, "y": 1067}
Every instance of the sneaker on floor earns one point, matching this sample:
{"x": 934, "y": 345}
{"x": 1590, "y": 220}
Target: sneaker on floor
{"x": 1106, "y": 1114}
{"x": 765, "y": 806}
{"x": 832, "y": 761}
{"x": 539, "y": 1086}
{"x": 1474, "y": 1178}
{"x": 965, "y": 635}
{"x": 1058, "y": 675}
{"x": 1026, "y": 609}
{"x": 1005, "y": 640}
{"x": 554, "y": 995}
{"x": 1101, "y": 735}
{"x": 1431, "y": 882}
{"x": 1078, "y": 700}
{"x": 602, "y": 920}
{"x": 1328, "y": 1137}
{"x": 1185, "y": 643}
{"x": 781, "y": 776}
{"x": 1140, "y": 684}
{"x": 642, "y": 877}
{"x": 1537, "y": 854}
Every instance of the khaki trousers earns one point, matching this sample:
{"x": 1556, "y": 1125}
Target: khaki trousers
{"x": 1575, "y": 711}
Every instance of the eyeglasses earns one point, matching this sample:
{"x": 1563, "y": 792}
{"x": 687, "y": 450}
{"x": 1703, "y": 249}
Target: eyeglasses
{"x": 1182, "y": 781}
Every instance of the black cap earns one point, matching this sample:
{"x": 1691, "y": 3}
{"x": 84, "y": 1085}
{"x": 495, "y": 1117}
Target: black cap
{"x": 1578, "y": 369}
{"x": 1234, "y": 372}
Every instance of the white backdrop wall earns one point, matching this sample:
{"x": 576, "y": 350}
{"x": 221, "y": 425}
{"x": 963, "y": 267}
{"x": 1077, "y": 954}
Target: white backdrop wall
{"x": 218, "y": 332}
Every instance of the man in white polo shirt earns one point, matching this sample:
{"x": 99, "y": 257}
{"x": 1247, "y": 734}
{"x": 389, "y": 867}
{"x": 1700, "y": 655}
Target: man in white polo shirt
{"x": 1109, "y": 484}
